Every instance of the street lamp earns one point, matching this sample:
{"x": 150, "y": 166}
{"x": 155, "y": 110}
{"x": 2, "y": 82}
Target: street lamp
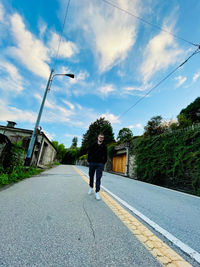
{"x": 32, "y": 141}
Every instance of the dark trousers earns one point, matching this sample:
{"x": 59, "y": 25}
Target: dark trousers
{"x": 98, "y": 167}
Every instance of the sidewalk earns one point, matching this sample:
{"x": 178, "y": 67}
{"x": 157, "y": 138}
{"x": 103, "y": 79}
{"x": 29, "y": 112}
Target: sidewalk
{"x": 50, "y": 220}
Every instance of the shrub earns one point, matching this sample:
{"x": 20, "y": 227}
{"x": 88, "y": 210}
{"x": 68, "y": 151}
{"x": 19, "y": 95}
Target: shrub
{"x": 170, "y": 160}
{"x": 4, "y": 179}
{"x": 16, "y": 171}
{"x": 111, "y": 149}
{"x": 16, "y": 157}
{"x": 83, "y": 157}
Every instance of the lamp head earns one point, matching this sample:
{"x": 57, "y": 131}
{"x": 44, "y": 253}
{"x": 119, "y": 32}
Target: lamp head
{"x": 70, "y": 75}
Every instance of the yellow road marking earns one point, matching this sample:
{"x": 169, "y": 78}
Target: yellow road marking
{"x": 162, "y": 252}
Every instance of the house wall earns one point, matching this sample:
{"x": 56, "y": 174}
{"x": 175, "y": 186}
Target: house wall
{"x": 48, "y": 153}
{"x": 13, "y": 134}
{"x": 44, "y": 152}
{"x": 123, "y": 161}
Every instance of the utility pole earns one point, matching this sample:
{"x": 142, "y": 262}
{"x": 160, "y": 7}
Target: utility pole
{"x": 33, "y": 137}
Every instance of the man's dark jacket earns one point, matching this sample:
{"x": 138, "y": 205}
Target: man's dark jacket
{"x": 97, "y": 153}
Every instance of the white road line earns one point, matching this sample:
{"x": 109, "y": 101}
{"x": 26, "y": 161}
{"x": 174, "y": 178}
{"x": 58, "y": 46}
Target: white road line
{"x": 191, "y": 252}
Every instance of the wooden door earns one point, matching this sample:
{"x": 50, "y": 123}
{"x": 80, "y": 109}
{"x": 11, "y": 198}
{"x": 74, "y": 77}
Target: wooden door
{"x": 119, "y": 163}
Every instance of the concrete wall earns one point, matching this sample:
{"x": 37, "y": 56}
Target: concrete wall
{"x": 47, "y": 153}
{"x": 44, "y": 152}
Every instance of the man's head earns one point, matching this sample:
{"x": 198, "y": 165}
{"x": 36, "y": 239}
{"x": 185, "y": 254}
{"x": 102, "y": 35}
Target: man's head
{"x": 100, "y": 138}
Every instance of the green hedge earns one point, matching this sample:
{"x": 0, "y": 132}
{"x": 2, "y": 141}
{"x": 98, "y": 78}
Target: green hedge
{"x": 16, "y": 170}
{"x": 17, "y": 174}
{"x": 83, "y": 157}
{"x": 171, "y": 160}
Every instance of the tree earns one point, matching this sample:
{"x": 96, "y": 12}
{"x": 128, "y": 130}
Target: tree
{"x": 154, "y": 126}
{"x": 191, "y": 113}
{"x": 71, "y": 155}
{"x": 99, "y": 126}
{"x": 183, "y": 120}
{"x": 124, "y": 134}
{"x": 61, "y": 150}
{"x": 74, "y": 142}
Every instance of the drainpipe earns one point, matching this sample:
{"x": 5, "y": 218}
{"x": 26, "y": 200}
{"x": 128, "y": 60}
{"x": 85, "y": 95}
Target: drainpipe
{"x": 127, "y": 161}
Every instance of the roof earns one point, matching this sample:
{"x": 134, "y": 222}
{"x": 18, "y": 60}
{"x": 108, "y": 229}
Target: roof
{"x": 14, "y": 129}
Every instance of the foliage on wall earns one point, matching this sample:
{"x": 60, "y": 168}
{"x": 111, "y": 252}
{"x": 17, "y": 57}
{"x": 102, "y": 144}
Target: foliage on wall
{"x": 170, "y": 159}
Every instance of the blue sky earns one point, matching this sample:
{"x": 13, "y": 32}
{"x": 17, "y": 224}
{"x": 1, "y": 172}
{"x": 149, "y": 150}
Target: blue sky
{"x": 115, "y": 57}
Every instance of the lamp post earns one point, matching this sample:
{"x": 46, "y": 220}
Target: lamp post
{"x": 33, "y": 137}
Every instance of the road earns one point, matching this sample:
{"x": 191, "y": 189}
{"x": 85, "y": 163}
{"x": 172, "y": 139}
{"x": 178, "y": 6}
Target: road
{"x": 176, "y": 212}
{"x": 49, "y": 220}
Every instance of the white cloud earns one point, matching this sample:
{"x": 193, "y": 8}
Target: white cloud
{"x": 70, "y": 105}
{"x": 64, "y": 69}
{"x": 83, "y": 117}
{"x": 137, "y": 88}
{"x": 10, "y": 79}
{"x": 57, "y": 115}
{"x": 54, "y": 112}
{"x": 48, "y": 104}
{"x": 161, "y": 52}
{"x": 180, "y": 80}
{"x": 32, "y": 52}
{"x": 10, "y": 113}
{"x": 42, "y": 28}
{"x": 110, "y": 33}
{"x": 29, "y": 50}
{"x": 64, "y": 112}
{"x": 66, "y": 49}
{"x": 80, "y": 77}
{"x": 73, "y": 135}
{"x": 196, "y": 76}
{"x": 138, "y": 125}
{"x": 1, "y": 13}
{"x": 110, "y": 117}
{"x": 105, "y": 90}
{"x": 79, "y": 106}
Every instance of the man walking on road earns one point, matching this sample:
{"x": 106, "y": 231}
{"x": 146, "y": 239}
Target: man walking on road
{"x": 97, "y": 157}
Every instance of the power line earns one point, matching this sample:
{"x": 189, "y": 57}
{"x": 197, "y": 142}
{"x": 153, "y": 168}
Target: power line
{"x": 149, "y": 23}
{"x": 140, "y": 99}
{"x": 61, "y": 34}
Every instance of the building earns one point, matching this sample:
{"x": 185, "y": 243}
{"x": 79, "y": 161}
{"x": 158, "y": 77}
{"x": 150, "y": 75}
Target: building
{"x": 44, "y": 152}
{"x": 123, "y": 160}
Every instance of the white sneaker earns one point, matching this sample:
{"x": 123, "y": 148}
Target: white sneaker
{"x": 97, "y": 196}
{"x": 90, "y": 191}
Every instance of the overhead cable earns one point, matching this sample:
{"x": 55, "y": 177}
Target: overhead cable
{"x": 149, "y": 23}
{"x": 61, "y": 34}
{"x": 140, "y": 99}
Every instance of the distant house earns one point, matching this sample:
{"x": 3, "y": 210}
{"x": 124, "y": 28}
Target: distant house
{"x": 44, "y": 152}
{"x": 123, "y": 160}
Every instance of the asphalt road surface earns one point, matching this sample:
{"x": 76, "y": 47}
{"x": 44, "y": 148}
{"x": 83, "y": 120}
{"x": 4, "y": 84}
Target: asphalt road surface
{"x": 176, "y": 212}
{"x": 49, "y": 220}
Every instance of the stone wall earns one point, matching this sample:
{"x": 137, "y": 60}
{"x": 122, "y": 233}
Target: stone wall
{"x": 132, "y": 167}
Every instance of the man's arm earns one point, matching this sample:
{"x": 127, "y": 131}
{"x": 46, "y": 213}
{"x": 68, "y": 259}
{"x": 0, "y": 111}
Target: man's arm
{"x": 90, "y": 152}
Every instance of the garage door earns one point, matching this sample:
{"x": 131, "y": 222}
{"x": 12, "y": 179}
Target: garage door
{"x": 119, "y": 163}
